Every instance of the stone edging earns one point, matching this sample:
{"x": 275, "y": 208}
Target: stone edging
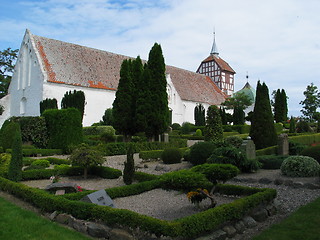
{"x": 227, "y": 231}
{"x": 278, "y": 181}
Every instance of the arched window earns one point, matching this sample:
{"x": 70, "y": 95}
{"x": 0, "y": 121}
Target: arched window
{"x": 23, "y": 104}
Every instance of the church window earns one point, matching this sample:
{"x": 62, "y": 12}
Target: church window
{"x": 23, "y": 104}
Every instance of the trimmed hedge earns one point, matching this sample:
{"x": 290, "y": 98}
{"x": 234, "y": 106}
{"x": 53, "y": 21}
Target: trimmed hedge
{"x": 156, "y": 154}
{"x": 271, "y": 161}
{"x": 188, "y": 227}
{"x": 306, "y": 139}
{"x": 267, "y": 151}
{"x": 142, "y": 177}
{"x": 237, "y": 128}
{"x": 103, "y": 172}
{"x": 33, "y": 152}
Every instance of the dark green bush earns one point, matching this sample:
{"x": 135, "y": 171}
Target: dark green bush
{"x": 36, "y": 152}
{"x": 303, "y": 127}
{"x": 300, "y": 166}
{"x": 142, "y": 177}
{"x": 186, "y": 128}
{"x": 234, "y": 141}
{"x": 184, "y": 180}
{"x": 48, "y": 103}
{"x": 271, "y": 161}
{"x": 171, "y": 155}
{"x": 7, "y": 133}
{"x": 4, "y": 164}
{"x": 313, "y": 151}
{"x": 295, "y": 148}
{"x": 64, "y": 127}
{"x": 41, "y": 162}
{"x": 234, "y": 156}
{"x": 33, "y": 167}
{"x": 128, "y": 171}
{"x": 104, "y": 172}
{"x": 217, "y": 172}
{"x": 201, "y": 151}
{"x": 96, "y": 130}
{"x": 175, "y": 126}
{"x": 186, "y": 155}
{"x": 267, "y": 151}
{"x": 58, "y": 161}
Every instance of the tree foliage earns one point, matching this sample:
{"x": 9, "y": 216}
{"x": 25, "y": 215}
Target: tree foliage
{"x": 15, "y": 167}
{"x": 311, "y": 102}
{"x": 7, "y": 62}
{"x": 85, "y": 157}
{"x": 280, "y": 106}
{"x": 199, "y": 115}
{"x": 75, "y": 99}
{"x": 107, "y": 118}
{"x": 292, "y": 128}
{"x": 213, "y": 130}
{"x": 238, "y": 116}
{"x": 128, "y": 172}
{"x": 48, "y": 103}
{"x": 239, "y": 100}
{"x": 262, "y": 129}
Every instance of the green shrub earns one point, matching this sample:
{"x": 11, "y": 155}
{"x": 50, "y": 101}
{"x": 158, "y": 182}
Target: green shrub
{"x": 128, "y": 172}
{"x": 41, "y": 162}
{"x": 4, "y": 164}
{"x": 300, "y": 166}
{"x": 96, "y": 130}
{"x": 186, "y": 155}
{"x": 142, "y": 177}
{"x": 198, "y": 133}
{"x": 186, "y": 128}
{"x": 171, "y": 155}
{"x": 295, "y": 148}
{"x": 58, "y": 161}
{"x": 64, "y": 127}
{"x": 306, "y": 139}
{"x": 279, "y": 127}
{"x": 313, "y": 151}
{"x": 217, "y": 172}
{"x": 15, "y": 167}
{"x": 175, "y": 126}
{"x": 27, "y": 161}
{"x": 271, "y": 161}
{"x": 235, "y": 141}
{"x": 303, "y": 127}
{"x": 104, "y": 172}
{"x": 36, "y": 152}
{"x": 184, "y": 180}
{"x": 201, "y": 151}
{"x": 267, "y": 151}
{"x": 33, "y": 167}
{"x": 234, "y": 156}
{"x": 146, "y": 155}
{"x": 7, "y": 133}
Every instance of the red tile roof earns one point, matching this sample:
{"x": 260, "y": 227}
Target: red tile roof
{"x": 222, "y": 64}
{"x": 82, "y": 66}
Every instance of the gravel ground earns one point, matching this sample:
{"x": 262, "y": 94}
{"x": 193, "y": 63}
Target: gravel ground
{"x": 170, "y": 205}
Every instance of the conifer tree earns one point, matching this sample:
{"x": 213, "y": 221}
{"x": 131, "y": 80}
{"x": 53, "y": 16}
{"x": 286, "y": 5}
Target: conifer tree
{"x": 75, "y": 99}
{"x": 262, "y": 130}
{"x": 15, "y": 167}
{"x": 128, "y": 172}
{"x": 48, "y": 103}
{"x": 280, "y": 106}
{"x": 123, "y": 111}
{"x": 199, "y": 115}
{"x": 223, "y": 116}
{"x": 284, "y": 103}
{"x": 213, "y": 130}
{"x": 158, "y": 120}
{"x": 238, "y": 116}
{"x": 292, "y": 125}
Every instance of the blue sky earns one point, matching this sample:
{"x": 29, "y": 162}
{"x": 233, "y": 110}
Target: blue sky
{"x": 275, "y": 41}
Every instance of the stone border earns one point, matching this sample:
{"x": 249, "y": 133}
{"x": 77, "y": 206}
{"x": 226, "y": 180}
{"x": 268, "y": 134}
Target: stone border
{"x": 278, "y": 181}
{"x": 226, "y": 231}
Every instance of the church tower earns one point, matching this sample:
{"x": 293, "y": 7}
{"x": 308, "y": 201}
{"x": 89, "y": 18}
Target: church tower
{"x": 218, "y": 70}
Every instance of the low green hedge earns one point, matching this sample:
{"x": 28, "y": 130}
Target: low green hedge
{"x": 306, "y": 139}
{"x": 267, "y": 151}
{"x": 142, "y": 177}
{"x": 37, "y": 151}
{"x": 103, "y": 172}
{"x": 187, "y": 227}
{"x": 156, "y": 154}
{"x": 271, "y": 161}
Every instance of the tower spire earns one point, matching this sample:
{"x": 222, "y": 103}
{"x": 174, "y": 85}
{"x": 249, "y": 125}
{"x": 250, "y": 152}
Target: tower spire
{"x": 214, "y": 49}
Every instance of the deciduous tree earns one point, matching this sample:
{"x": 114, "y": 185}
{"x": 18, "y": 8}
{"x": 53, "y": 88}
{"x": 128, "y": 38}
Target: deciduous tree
{"x": 311, "y": 102}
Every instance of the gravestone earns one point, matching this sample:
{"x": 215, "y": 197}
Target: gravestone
{"x": 166, "y": 137}
{"x": 249, "y": 148}
{"x": 100, "y": 198}
{"x": 60, "y": 187}
{"x": 283, "y": 144}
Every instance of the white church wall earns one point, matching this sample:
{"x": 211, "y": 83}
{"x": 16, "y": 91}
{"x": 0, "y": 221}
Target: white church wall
{"x": 26, "y": 84}
{"x": 97, "y": 100}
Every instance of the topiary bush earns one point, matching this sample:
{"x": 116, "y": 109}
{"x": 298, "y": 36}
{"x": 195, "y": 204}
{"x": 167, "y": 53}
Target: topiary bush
{"x": 296, "y": 148}
{"x": 171, "y": 155}
{"x": 234, "y": 141}
{"x": 300, "y": 166}
{"x": 175, "y": 126}
{"x": 186, "y": 127}
{"x": 271, "y": 161}
{"x": 234, "y": 156}
{"x": 198, "y": 133}
{"x": 313, "y": 151}
{"x": 200, "y": 152}
{"x": 41, "y": 162}
{"x": 217, "y": 172}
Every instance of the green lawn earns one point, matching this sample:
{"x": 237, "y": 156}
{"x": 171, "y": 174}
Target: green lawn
{"x": 303, "y": 224}
{"x": 18, "y": 223}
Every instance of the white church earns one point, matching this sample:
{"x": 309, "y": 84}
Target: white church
{"x": 48, "y": 68}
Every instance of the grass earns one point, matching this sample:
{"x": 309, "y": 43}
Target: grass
{"x": 302, "y": 224}
{"x": 18, "y": 223}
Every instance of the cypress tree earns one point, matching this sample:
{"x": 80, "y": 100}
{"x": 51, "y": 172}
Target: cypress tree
{"x": 262, "y": 130}
{"x": 277, "y": 106}
{"x": 292, "y": 125}
{"x": 213, "y": 130}
{"x": 199, "y": 115}
{"x": 284, "y": 105}
{"x": 223, "y": 116}
{"x": 128, "y": 172}
{"x": 48, "y": 103}
{"x": 122, "y": 105}
{"x": 238, "y": 116}
{"x": 159, "y": 117}
{"x": 75, "y": 99}
{"x": 15, "y": 167}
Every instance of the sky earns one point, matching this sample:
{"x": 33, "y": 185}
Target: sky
{"x": 276, "y": 42}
